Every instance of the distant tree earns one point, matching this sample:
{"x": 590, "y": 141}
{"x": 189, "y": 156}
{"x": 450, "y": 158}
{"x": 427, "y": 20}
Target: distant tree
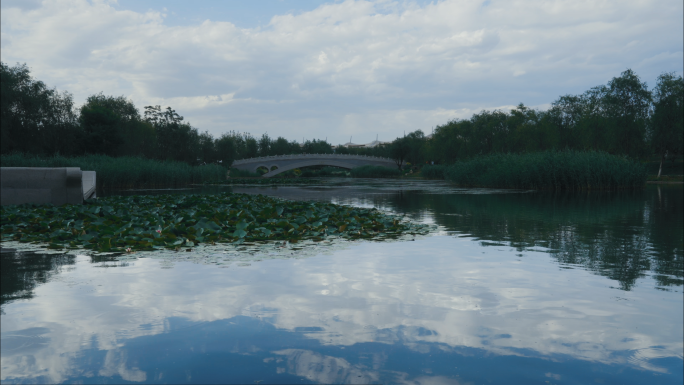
{"x": 137, "y": 137}
{"x": 264, "y": 145}
{"x": 251, "y": 147}
{"x": 34, "y": 118}
{"x": 208, "y": 151}
{"x": 628, "y": 102}
{"x": 317, "y": 147}
{"x": 176, "y": 140}
{"x": 400, "y": 150}
{"x": 282, "y": 146}
{"x": 101, "y": 128}
{"x": 667, "y": 122}
{"x": 226, "y": 149}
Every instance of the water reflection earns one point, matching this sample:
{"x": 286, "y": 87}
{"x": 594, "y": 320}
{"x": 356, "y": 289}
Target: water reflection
{"x": 20, "y": 273}
{"x": 522, "y": 289}
{"x": 620, "y": 235}
{"x": 435, "y": 310}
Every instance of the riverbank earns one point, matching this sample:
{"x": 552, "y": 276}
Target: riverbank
{"x": 125, "y": 172}
{"x": 549, "y": 170}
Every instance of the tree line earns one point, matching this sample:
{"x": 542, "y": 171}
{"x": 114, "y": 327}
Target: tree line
{"x": 622, "y": 117}
{"x": 39, "y": 120}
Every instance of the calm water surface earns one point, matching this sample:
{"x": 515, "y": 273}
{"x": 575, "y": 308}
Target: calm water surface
{"x": 513, "y": 288}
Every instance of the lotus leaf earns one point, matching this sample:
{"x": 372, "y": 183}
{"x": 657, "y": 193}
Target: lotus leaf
{"x": 148, "y": 222}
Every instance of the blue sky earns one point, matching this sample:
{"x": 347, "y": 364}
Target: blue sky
{"x": 317, "y": 69}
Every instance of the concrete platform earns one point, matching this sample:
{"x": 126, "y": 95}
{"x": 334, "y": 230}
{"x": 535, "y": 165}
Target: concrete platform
{"x": 57, "y": 186}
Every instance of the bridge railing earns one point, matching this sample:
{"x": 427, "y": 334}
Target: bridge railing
{"x": 303, "y": 156}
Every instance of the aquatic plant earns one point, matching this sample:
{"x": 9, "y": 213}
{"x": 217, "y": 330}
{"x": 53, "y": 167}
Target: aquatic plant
{"x": 124, "y": 171}
{"x": 374, "y": 172}
{"x": 117, "y": 224}
{"x": 550, "y": 170}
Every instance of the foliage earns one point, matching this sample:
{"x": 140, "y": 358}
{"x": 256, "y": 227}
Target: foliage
{"x": 550, "y": 170}
{"x": 33, "y": 117}
{"x": 236, "y": 173}
{"x": 433, "y": 171}
{"x": 374, "y": 172}
{"x": 124, "y": 171}
{"x": 173, "y": 222}
{"x": 667, "y": 124}
{"x": 124, "y": 132}
{"x": 622, "y": 117}
{"x": 270, "y": 181}
{"x": 322, "y": 172}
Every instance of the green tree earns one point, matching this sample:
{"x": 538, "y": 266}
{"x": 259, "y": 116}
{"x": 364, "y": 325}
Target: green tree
{"x": 176, "y": 140}
{"x": 317, "y": 147}
{"x": 400, "y": 150}
{"x": 667, "y": 121}
{"x": 138, "y": 137}
{"x": 208, "y": 152}
{"x": 226, "y": 149}
{"x": 101, "y": 128}
{"x": 264, "y": 144}
{"x": 282, "y": 146}
{"x": 34, "y": 118}
{"x": 628, "y": 103}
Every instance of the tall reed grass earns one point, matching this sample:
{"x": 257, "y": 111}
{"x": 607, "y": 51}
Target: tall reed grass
{"x": 374, "y": 172}
{"x": 124, "y": 172}
{"x": 550, "y": 170}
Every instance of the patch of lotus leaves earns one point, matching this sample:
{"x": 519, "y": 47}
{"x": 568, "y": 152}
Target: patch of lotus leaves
{"x": 146, "y": 223}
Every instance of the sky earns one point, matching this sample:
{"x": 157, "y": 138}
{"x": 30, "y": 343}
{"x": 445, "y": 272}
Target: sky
{"x": 337, "y": 70}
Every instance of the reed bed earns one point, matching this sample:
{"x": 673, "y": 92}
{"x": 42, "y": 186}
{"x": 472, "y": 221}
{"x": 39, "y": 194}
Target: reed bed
{"x": 124, "y": 172}
{"x": 375, "y": 172}
{"x": 550, "y": 170}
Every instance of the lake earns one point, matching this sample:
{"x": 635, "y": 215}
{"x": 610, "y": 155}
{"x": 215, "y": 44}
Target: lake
{"x": 511, "y": 287}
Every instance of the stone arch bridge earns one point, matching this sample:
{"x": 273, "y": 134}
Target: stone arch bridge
{"x": 281, "y": 163}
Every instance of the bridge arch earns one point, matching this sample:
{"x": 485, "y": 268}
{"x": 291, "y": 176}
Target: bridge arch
{"x": 284, "y": 163}
{"x": 292, "y": 166}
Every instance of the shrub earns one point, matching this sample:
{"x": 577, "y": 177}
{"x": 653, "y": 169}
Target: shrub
{"x": 433, "y": 171}
{"x": 124, "y": 172}
{"x": 550, "y": 170}
{"x": 374, "y": 172}
{"x": 235, "y": 173}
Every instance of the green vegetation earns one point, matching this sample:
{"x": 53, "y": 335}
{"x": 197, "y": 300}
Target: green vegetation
{"x": 673, "y": 166}
{"x": 124, "y": 172}
{"x": 622, "y": 117}
{"x": 119, "y": 224}
{"x": 566, "y": 170}
{"x": 270, "y": 181}
{"x": 666, "y": 178}
{"x": 374, "y": 172}
{"x": 433, "y": 171}
{"x": 236, "y": 173}
{"x": 325, "y": 171}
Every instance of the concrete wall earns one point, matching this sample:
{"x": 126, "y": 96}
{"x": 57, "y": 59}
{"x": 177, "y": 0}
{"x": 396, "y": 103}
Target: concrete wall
{"x": 88, "y": 182}
{"x": 57, "y": 186}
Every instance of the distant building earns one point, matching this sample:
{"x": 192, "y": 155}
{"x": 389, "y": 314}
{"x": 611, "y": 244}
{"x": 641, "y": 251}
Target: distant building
{"x": 372, "y": 144}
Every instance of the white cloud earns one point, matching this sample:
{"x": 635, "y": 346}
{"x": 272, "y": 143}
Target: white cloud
{"x": 344, "y": 68}
{"x": 374, "y": 292}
